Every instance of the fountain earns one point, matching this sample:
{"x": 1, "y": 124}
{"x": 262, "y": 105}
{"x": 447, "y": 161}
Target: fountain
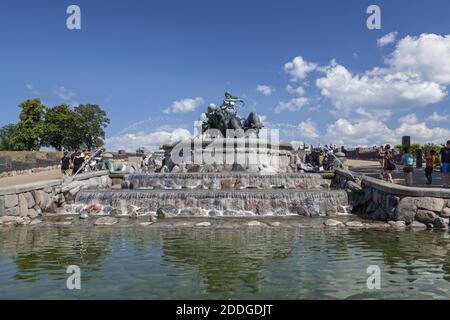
{"x": 232, "y": 167}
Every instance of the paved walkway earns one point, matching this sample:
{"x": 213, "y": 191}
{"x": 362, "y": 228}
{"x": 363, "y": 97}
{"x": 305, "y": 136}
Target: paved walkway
{"x": 372, "y": 169}
{"x": 29, "y": 178}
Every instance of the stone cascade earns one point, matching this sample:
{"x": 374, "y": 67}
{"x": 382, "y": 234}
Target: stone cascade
{"x": 177, "y": 203}
{"x": 226, "y": 181}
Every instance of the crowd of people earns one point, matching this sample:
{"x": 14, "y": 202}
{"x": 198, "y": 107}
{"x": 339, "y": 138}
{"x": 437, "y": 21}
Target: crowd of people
{"x": 388, "y": 164}
{"x": 80, "y": 161}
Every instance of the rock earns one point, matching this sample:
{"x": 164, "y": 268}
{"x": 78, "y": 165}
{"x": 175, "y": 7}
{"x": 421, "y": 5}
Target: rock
{"x": 439, "y": 223}
{"x": 183, "y": 224}
{"x": 35, "y": 222}
{"x": 431, "y": 204}
{"x": 2, "y": 205}
{"x": 145, "y": 224}
{"x": 214, "y": 213}
{"x": 354, "y": 224}
{"x": 167, "y": 211}
{"x": 332, "y": 223}
{"x": 229, "y": 183}
{"x": 254, "y": 223}
{"x": 105, "y": 221}
{"x": 397, "y": 224}
{"x": 11, "y": 200}
{"x": 14, "y": 211}
{"x": 192, "y": 212}
{"x": 32, "y": 213}
{"x": 42, "y": 199}
{"x": 425, "y": 216}
{"x": 23, "y": 205}
{"x": 132, "y": 211}
{"x": 84, "y": 215}
{"x": 378, "y": 225}
{"x": 406, "y": 210}
{"x": 203, "y": 224}
{"x": 93, "y": 208}
{"x": 445, "y": 213}
{"x": 30, "y": 199}
{"x": 8, "y": 219}
{"x": 417, "y": 225}
{"x": 176, "y": 169}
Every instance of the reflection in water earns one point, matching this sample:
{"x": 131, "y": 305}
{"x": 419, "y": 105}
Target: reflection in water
{"x": 135, "y": 262}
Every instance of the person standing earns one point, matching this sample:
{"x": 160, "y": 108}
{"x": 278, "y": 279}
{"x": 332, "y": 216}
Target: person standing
{"x": 388, "y": 164}
{"x": 445, "y": 164}
{"x": 65, "y": 164}
{"x": 408, "y": 167}
{"x": 429, "y": 166}
{"x": 381, "y": 159}
{"x": 77, "y": 163}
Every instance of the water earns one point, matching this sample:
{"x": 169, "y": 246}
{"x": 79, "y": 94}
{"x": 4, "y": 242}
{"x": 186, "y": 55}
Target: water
{"x": 133, "y": 262}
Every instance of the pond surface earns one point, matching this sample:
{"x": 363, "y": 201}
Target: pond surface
{"x": 135, "y": 262}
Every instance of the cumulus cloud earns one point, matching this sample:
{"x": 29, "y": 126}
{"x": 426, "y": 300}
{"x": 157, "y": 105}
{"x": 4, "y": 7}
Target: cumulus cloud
{"x": 151, "y": 140}
{"x": 436, "y": 117}
{"x": 307, "y": 129}
{"x": 185, "y": 105}
{"x": 408, "y": 119}
{"x": 387, "y": 39}
{"x": 298, "y": 91}
{"x": 298, "y": 68}
{"x": 427, "y": 55}
{"x": 263, "y": 89}
{"x": 376, "y": 89}
{"x": 376, "y": 132}
{"x": 293, "y": 105}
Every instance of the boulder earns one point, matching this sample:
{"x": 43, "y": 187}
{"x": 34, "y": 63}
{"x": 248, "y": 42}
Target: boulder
{"x": 332, "y": 223}
{"x": 397, "y": 224}
{"x": 145, "y": 224}
{"x": 105, "y": 221}
{"x": 445, "y": 213}
{"x": 14, "y": 211}
{"x": 431, "y": 204}
{"x": 406, "y": 210}
{"x": 439, "y": 223}
{"x": 425, "y": 216}
{"x": 30, "y": 199}
{"x": 354, "y": 224}
{"x": 203, "y": 224}
{"x": 254, "y": 223}
{"x": 378, "y": 225}
{"x": 23, "y": 205}
{"x": 11, "y": 200}
{"x": 417, "y": 225}
{"x": 32, "y": 213}
{"x": 192, "y": 212}
{"x": 167, "y": 211}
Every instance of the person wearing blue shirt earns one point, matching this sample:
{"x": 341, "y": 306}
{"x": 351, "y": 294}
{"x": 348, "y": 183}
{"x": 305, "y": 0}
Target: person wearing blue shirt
{"x": 445, "y": 164}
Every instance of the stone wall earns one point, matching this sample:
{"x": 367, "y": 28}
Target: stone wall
{"x": 13, "y": 173}
{"x": 22, "y": 203}
{"x": 375, "y": 199}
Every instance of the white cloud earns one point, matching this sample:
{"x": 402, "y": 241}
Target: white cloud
{"x": 307, "y": 129}
{"x": 65, "y": 94}
{"x": 298, "y": 91}
{"x": 263, "y": 89}
{"x": 375, "y": 132}
{"x": 387, "y": 39}
{"x": 376, "y": 89}
{"x": 408, "y": 119}
{"x": 184, "y": 105}
{"x": 32, "y": 89}
{"x": 298, "y": 68}
{"x": 150, "y": 140}
{"x": 427, "y": 55}
{"x": 292, "y": 105}
{"x": 436, "y": 117}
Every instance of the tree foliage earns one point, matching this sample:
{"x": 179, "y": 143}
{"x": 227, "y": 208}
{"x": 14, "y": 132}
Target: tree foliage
{"x": 59, "y": 127}
{"x": 93, "y": 121}
{"x": 30, "y": 127}
{"x": 7, "y": 133}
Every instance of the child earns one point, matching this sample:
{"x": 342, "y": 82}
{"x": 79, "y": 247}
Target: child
{"x": 408, "y": 167}
{"x": 430, "y": 166}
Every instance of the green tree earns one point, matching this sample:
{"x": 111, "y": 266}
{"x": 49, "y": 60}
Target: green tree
{"x": 7, "y": 134}
{"x": 93, "y": 121}
{"x": 61, "y": 128}
{"x": 30, "y": 127}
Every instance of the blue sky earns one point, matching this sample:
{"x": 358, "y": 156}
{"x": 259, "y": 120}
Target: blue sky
{"x": 154, "y": 66}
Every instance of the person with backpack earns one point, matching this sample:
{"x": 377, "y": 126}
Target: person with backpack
{"x": 388, "y": 164}
{"x": 65, "y": 164}
{"x": 429, "y": 167}
{"x": 408, "y": 166}
{"x": 445, "y": 164}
